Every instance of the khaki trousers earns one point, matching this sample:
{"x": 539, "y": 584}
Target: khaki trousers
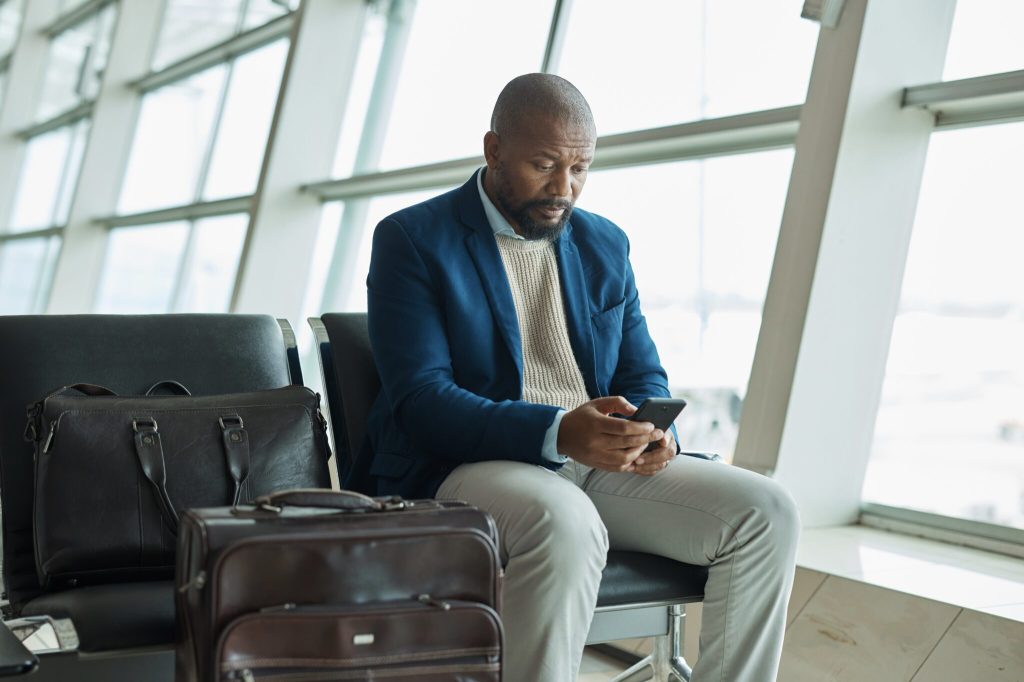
{"x": 555, "y": 530}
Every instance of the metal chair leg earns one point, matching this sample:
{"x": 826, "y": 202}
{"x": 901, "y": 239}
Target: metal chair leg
{"x": 666, "y": 662}
{"x": 668, "y": 651}
{"x": 641, "y": 670}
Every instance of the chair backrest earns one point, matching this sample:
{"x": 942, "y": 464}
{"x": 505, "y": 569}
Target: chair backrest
{"x": 350, "y": 381}
{"x": 209, "y": 354}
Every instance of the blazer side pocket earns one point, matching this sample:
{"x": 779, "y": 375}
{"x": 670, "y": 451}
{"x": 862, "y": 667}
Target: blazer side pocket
{"x": 610, "y": 318}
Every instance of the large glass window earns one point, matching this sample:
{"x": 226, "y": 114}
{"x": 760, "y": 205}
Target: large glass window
{"x": 48, "y": 177}
{"x": 358, "y": 242}
{"x": 949, "y": 436}
{"x": 702, "y": 260}
{"x": 986, "y": 38}
{"x": 10, "y": 23}
{"x": 26, "y": 269}
{"x": 172, "y": 267}
{"x": 203, "y": 137}
{"x": 78, "y": 57}
{"x": 659, "y": 62}
{"x": 189, "y": 26}
{"x": 449, "y": 79}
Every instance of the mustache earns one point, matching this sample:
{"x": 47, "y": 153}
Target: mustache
{"x": 567, "y": 205}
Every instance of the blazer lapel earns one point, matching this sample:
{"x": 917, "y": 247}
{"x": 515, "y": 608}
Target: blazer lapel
{"x": 483, "y": 249}
{"x": 577, "y": 308}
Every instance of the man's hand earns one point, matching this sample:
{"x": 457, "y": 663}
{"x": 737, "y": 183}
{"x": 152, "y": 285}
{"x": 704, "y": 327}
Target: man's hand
{"x": 655, "y": 461}
{"x": 590, "y": 436}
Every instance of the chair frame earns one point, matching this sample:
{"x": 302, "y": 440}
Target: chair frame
{"x": 663, "y": 621}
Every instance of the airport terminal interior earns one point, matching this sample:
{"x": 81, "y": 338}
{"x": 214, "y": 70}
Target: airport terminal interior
{"x": 823, "y": 200}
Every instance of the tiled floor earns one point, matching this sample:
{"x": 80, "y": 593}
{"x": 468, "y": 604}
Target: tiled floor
{"x": 598, "y": 668}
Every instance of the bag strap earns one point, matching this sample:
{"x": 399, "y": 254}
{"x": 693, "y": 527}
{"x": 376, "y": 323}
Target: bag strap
{"x": 175, "y": 387}
{"x": 150, "y": 452}
{"x": 236, "y": 452}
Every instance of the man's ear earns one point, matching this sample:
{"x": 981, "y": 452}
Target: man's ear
{"x": 492, "y": 148}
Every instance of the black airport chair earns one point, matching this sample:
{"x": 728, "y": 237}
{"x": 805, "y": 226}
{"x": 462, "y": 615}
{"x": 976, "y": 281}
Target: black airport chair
{"x": 126, "y": 631}
{"x": 641, "y": 595}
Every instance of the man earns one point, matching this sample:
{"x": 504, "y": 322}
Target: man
{"x": 507, "y": 330}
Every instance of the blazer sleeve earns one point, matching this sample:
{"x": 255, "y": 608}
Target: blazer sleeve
{"x": 638, "y": 374}
{"x": 410, "y": 345}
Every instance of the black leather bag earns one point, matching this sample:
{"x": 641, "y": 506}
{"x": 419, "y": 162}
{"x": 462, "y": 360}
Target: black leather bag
{"x": 112, "y": 472}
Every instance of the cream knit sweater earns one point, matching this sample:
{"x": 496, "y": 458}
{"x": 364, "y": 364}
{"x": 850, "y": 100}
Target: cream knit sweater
{"x": 550, "y": 373}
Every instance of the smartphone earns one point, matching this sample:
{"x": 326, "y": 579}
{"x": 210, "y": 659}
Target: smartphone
{"x": 659, "y": 411}
{"x": 15, "y": 658}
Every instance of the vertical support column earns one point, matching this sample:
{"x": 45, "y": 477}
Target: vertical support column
{"x": 80, "y": 264}
{"x": 25, "y": 77}
{"x": 835, "y": 284}
{"x": 278, "y": 253}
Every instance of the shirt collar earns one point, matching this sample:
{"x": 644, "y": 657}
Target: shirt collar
{"x": 499, "y": 225}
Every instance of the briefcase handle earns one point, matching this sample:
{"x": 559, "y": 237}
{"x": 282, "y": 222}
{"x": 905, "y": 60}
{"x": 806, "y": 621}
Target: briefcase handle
{"x": 325, "y": 498}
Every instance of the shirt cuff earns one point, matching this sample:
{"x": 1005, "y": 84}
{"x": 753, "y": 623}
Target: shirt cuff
{"x": 549, "y": 450}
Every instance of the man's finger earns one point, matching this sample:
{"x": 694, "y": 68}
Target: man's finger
{"x": 623, "y": 427}
{"x": 613, "y": 404}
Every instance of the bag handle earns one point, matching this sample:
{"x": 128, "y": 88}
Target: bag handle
{"x": 176, "y": 388}
{"x": 325, "y": 498}
{"x": 90, "y": 389}
{"x": 150, "y": 452}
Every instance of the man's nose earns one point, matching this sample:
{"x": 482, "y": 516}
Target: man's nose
{"x": 560, "y": 185}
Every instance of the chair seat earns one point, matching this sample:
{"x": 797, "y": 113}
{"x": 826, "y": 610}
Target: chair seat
{"x": 111, "y": 617}
{"x": 129, "y": 615}
{"x": 636, "y": 578}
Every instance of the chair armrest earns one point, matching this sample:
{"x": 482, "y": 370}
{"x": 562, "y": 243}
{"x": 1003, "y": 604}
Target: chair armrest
{"x": 710, "y": 456}
{"x": 15, "y": 659}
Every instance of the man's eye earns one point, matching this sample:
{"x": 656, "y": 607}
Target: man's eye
{"x": 544, "y": 169}
{"x": 580, "y": 170}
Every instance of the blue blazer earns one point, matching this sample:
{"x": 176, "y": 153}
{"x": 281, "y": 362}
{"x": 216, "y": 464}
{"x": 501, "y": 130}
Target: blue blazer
{"x": 445, "y": 337}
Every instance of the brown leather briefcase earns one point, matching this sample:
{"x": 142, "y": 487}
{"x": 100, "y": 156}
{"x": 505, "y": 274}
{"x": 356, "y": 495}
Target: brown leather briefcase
{"x": 326, "y": 585}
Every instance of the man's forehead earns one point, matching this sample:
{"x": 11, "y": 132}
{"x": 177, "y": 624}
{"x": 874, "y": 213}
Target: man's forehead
{"x": 551, "y": 131}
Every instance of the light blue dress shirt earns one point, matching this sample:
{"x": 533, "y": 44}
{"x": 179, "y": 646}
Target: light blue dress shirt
{"x": 549, "y": 450}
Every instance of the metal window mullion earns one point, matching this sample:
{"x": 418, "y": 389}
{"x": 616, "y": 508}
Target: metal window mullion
{"x": 205, "y": 209}
{"x": 556, "y": 36}
{"x": 44, "y": 275}
{"x": 185, "y": 265}
{"x": 184, "y": 269}
{"x": 243, "y": 9}
{"x": 981, "y": 100}
{"x": 62, "y": 185}
{"x": 229, "y": 49}
{"x": 30, "y": 234}
{"x": 69, "y": 117}
{"x": 74, "y": 17}
{"x": 756, "y": 131}
{"x": 371, "y": 146}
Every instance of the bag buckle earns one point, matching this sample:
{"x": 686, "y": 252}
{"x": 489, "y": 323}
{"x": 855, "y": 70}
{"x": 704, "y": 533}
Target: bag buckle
{"x": 394, "y": 504}
{"x": 231, "y": 421}
{"x": 140, "y": 424}
{"x": 33, "y": 424}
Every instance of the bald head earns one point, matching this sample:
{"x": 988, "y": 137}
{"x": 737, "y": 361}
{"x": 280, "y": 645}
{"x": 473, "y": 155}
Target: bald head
{"x": 536, "y": 95}
{"x": 538, "y": 153}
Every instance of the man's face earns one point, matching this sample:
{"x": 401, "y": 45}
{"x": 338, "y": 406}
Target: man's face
{"x": 537, "y": 173}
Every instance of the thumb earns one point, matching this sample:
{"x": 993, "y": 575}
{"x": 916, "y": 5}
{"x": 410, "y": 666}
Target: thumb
{"x": 613, "y": 403}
